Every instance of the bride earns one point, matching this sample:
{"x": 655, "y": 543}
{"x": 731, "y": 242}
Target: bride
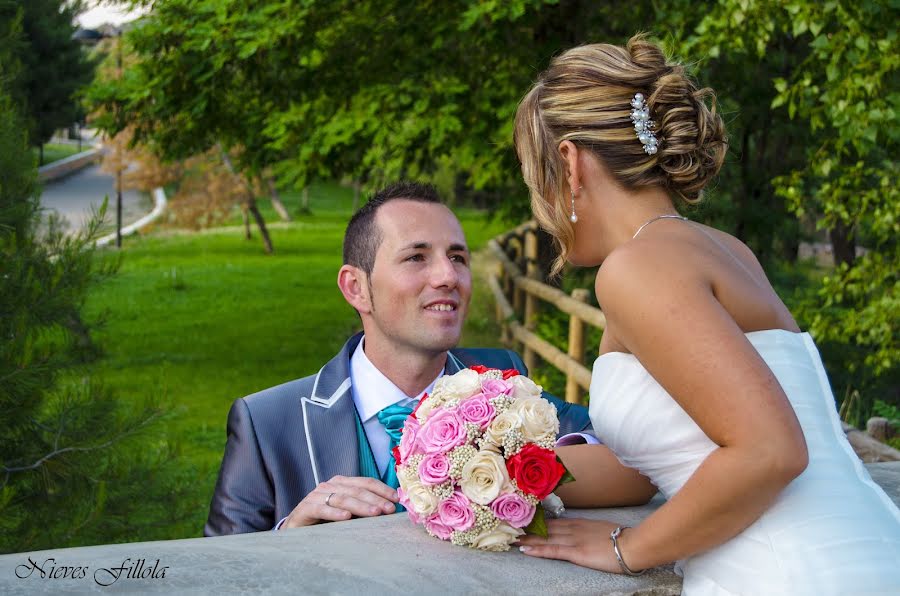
{"x": 705, "y": 388}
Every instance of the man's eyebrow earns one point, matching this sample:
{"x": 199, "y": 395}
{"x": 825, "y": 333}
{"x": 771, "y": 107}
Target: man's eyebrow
{"x": 422, "y": 245}
{"x": 418, "y": 245}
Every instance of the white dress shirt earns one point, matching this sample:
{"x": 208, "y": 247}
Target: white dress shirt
{"x": 372, "y": 392}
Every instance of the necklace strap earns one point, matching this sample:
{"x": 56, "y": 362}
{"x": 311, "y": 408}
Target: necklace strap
{"x": 658, "y": 217}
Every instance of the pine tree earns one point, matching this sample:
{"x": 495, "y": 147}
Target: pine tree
{"x": 70, "y": 469}
{"x": 54, "y": 67}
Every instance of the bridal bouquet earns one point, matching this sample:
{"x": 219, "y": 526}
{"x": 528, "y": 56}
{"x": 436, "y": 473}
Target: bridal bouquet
{"x": 476, "y": 459}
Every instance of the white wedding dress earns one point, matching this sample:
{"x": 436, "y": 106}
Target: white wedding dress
{"x": 831, "y": 531}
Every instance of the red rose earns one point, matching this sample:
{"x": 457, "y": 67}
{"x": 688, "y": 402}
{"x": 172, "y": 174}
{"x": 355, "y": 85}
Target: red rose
{"x": 396, "y": 453}
{"x": 535, "y": 470}
{"x": 510, "y": 372}
{"x": 479, "y": 368}
{"x": 416, "y": 409}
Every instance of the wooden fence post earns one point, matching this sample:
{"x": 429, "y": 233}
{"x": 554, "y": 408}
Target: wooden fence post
{"x": 576, "y": 346}
{"x": 531, "y": 302}
{"x": 502, "y": 278}
{"x": 517, "y": 294}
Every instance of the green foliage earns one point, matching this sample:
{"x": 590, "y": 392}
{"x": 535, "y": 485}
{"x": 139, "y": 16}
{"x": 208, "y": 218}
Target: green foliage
{"x": 53, "y": 66}
{"x": 62, "y": 435}
{"x": 837, "y": 85}
{"x": 538, "y": 524}
{"x": 374, "y": 91}
{"x": 886, "y": 410}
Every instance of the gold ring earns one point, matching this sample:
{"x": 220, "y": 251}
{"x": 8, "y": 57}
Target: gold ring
{"x": 328, "y": 499}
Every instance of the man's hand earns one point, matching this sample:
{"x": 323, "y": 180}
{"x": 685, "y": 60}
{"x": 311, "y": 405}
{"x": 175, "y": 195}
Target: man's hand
{"x": 342, "y": 498}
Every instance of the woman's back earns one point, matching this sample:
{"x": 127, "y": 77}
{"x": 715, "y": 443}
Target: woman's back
{"x": 831, "y": 531}
{"x": 726, "y": 264}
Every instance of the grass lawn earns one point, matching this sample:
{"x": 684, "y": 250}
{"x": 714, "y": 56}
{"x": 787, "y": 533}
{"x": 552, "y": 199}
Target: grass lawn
{"x": 201, "y": 319}
{"x": 57, "y": 151}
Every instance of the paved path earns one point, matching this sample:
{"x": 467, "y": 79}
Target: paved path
{"x": 73, "y": 196}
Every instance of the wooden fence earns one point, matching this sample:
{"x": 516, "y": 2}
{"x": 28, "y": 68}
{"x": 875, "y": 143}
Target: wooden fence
{"x": 517, "y": 291}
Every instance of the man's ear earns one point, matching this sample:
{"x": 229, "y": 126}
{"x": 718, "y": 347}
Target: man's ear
{"x": 354, "y": 285}
{"x": 570, "y": 154}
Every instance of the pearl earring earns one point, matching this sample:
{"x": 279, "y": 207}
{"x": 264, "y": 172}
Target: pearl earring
{"x": 573, "y": 218}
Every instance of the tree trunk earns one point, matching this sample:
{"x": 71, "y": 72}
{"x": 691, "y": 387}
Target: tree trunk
{"x": 246, "y": 215}
{"x": 260, "y": 222}
{"x": 843, "y": 244}
{"x": 790, "y": 247}
{"x": 250, "y": 201}
{"x": 276, "y": 200}
{"x": 304, "y": 201}
{"x": 85, "y": 348}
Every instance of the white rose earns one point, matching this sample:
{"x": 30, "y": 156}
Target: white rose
{"x": 403, "y": 477}
{"x": 427, "y": 407}
{"x": 537, "y": 416}
{"x": 524, "y": 388}
{"x": 483, "y": 476}
{"x": 501, "y": 426}
{"x": 459, "y": 386}
{"x": 423, "y": 500}
{"x": 497, "y": 539}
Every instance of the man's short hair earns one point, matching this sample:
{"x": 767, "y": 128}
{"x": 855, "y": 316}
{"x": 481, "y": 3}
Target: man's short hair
{"x": 362, "y": 238}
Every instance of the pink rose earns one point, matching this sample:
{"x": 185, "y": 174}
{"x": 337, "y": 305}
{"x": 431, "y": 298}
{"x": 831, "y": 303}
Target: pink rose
{"x": 443, "y": 431}
{"x": 408, "y": 444}
{"x": 512, "y": 508}
{"x": 494, "y": 387}
{"x": 404, "y": 500}
{"x": 434, "y": 525}
{"x": 477, "y": 410}
{"x": 456, "y": 512}
{"x": 434, "y": 469}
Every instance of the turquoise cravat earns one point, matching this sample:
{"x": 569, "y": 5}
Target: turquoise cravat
{"x": 392, "y": 418}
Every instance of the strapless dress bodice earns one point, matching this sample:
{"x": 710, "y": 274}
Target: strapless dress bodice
{"x": 831, "y": 531}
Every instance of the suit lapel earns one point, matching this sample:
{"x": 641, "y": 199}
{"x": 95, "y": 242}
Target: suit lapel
{"x": 329, "y": 414}
{"x": 328, "y": 418}
{"x": 454, "y": 364}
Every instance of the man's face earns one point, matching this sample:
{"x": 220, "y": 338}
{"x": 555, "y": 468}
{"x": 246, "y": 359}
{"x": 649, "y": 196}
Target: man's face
{"x": 420, "y": 284}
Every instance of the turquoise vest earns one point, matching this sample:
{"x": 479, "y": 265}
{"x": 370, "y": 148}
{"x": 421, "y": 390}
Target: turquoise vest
{"x": 367, "y": 466}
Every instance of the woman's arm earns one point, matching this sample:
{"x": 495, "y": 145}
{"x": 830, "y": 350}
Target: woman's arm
{"x": 666, "y": 314}
{"x": 600, "y": 479}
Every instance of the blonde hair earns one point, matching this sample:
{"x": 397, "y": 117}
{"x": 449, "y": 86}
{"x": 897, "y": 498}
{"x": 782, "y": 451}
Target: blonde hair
{"x": 584, "y": 97}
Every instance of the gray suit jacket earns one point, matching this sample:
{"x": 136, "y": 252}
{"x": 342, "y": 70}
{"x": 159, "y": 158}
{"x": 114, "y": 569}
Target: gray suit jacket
{"x": 284, "y": 441}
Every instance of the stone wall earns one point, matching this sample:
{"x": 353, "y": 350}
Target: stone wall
{"x": 70, "y": 165}
{"x": 382, "y": 555}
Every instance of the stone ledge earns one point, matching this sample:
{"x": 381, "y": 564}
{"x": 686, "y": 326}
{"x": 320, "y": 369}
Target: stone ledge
{"x": 347, "y": 557}
{"x": 70, "y": 165}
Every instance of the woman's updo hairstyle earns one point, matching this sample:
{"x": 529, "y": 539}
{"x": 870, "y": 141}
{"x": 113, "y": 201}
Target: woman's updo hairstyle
{"x": 585, "y": 97}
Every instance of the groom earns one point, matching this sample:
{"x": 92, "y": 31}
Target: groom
{"x": 318, "y": 448}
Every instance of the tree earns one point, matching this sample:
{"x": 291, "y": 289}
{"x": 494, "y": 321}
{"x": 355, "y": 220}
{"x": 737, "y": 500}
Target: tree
{"x": 374, "y": 91}
{"x": 54, "y": 67}
{"x": 290, "y": 88}
{"x": 63, "y": 438}
{"x": 841, "y": 91}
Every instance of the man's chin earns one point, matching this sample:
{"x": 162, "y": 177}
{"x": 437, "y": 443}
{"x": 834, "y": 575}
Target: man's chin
{"x": 442, "y": 342}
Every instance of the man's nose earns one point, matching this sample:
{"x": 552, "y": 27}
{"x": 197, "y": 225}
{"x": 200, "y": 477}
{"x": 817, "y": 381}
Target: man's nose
{"x": 444, "y": 274}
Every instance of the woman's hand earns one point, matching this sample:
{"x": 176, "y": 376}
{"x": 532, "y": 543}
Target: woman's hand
{"x": 584, "y": 542}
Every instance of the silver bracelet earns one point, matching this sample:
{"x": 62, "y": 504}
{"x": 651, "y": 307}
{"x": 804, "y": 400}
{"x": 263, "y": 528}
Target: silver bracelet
{"x": 614, "y": 536}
